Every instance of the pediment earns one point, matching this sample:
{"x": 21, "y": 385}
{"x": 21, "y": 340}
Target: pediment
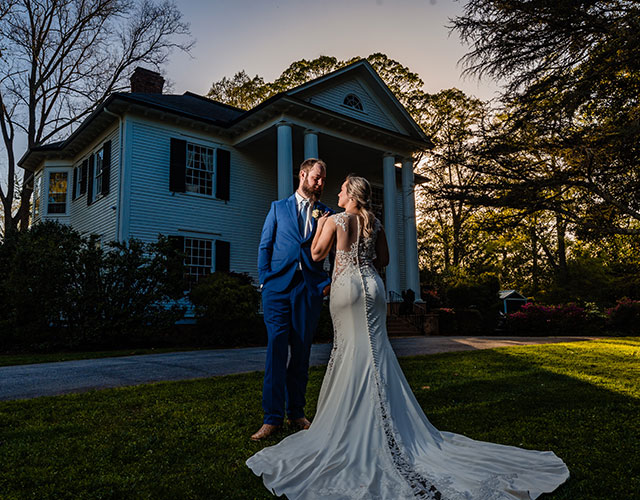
{"x": 357, "y": 91}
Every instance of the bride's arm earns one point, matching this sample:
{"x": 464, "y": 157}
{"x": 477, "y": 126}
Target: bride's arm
{"x": 382, "y": 251}
{"x": 323, "y": 240}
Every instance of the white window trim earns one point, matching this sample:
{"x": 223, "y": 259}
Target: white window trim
{"x": 44, "y": 200}
{"x": 97, "y": 194}
{"x": 214, "y": 183}
{"x": 212, "y": 241}
{"x": 363, "y": 111}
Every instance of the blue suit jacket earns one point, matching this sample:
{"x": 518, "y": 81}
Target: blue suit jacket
{"x": 282, "y": 247}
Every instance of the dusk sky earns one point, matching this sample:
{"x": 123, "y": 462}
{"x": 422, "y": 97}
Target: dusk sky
{"x": 264, "y": 37}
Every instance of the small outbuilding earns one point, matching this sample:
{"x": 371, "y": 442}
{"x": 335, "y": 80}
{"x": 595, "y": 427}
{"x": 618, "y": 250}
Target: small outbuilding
{"x": 512, "y": 300}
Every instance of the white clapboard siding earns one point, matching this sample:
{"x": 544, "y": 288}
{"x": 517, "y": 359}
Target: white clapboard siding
{"x": 100, "y": 217}
{"x": 332, "y": 98}
{"x": 155, "y": 210}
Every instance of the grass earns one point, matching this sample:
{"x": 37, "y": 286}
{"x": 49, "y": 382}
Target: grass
{"x": 189, "y": 440}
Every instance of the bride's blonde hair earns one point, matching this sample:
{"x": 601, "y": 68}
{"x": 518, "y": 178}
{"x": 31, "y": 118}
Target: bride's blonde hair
{"x": 359, "y": 190}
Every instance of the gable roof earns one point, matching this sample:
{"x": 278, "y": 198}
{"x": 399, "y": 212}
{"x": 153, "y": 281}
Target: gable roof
{"x": 224, "y": 116}
{"x": 511, "y": 294}
{"x": 364, "y": 69}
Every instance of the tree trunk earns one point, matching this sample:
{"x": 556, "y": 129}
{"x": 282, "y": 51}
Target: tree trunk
{"x": 561, "y": 230}
{"x": 535, "y": 276}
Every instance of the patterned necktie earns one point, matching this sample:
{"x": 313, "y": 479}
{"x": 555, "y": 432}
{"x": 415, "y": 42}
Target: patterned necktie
{"x": 303, "y": 217}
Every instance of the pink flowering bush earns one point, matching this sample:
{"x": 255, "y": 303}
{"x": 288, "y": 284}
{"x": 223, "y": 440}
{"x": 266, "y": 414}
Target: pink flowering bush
{"x": 561, "y": 319}
{"x": 625, "y": 316}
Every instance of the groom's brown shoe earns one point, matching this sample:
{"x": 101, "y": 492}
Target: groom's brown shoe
{"x": 300, "y": 423}
{"x": 265, "y": 431}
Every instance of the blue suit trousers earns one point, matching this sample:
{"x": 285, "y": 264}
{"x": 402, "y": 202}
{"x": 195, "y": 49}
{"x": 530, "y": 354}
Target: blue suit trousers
{"x": 291, "y": 317}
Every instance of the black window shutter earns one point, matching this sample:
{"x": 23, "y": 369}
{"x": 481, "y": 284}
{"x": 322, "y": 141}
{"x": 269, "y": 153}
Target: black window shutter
{"x": 75, "y": 181}
{"x": 223, "y": 256}
{"x": 106, "y": 167}
{"x": 175, "y": 265}
{"x": 83, "y": 179}
{"x": 223, "y": 173}
{"x": 92, "y": 159}
{"x": 177, "y": 165}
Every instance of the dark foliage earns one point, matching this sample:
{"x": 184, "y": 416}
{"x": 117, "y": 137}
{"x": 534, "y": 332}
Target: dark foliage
{"x": 227, "y": 310}
{"x": 61, "y": 290}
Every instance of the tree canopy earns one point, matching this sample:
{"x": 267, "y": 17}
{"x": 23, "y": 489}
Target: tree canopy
{"x": 60, "y": 59}
{"x": 567, "y": 138}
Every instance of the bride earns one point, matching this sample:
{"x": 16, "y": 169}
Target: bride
{"x": 369, "y": 439}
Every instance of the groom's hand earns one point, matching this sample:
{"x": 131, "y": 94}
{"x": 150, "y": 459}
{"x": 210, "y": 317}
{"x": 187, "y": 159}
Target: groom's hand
{"x": 326, "y": 290}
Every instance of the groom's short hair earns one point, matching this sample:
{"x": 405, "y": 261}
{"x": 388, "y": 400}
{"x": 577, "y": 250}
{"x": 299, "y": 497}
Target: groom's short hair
{"x": 309, "y": 163}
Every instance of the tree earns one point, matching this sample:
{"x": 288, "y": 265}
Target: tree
{"x": 449, "y": 118}
{"x": 572, "y": 78}
{"x": 240, "y": 91}
{"x": 61, "y": 58}
{"x": 245, "y": 92}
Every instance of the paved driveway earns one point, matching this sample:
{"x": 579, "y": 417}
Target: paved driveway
{"x": 48, "y": 379}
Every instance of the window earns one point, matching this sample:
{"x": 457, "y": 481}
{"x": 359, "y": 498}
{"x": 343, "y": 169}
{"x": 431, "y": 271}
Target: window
{"x": 353, "y": 101}
{"x": 198, "y": 258}
{"x": 99, "y": 170}
{"x": 37, "y": 193}
{"x": 199, "y": 174}
{"x": 57, "y": 198}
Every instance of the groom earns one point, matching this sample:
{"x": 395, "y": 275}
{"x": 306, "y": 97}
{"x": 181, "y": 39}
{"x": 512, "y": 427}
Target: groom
{"x": 293, "y": 286}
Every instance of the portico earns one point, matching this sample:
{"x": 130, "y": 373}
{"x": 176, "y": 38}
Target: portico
{"x": 348, "y": 147}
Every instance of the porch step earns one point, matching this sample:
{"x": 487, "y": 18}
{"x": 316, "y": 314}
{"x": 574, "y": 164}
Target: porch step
{"x": 400, "y": 327}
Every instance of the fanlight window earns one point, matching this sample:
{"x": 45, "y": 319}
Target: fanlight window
{"x": 353, "y": 101}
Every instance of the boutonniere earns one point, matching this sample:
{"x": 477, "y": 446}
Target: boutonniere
{"x": 316, "y": 213}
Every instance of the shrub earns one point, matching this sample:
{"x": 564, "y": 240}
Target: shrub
{"x": 625, "y": 316}
{"x": 446, "y": 321}
{"x": 128, "y": 293}
{"x": 60, "y": 290}
{"x": 226, "y": 306}
{"x": 431, "y": 299}
{"x": 563, "y": 319}
{"x": 479, "y": 293}
{"x": 468, "y": 322}
{"x": 40, "y": 266}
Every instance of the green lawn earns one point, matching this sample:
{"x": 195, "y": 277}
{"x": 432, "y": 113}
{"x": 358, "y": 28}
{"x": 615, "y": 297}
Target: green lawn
{"x": 189, "y": 440}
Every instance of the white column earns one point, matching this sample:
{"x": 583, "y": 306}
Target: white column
{"x": 285, "y": 160}
{"x": 390, "y": 223}
{"x": 310, "y": 144}
{"x": 412, "y": 271}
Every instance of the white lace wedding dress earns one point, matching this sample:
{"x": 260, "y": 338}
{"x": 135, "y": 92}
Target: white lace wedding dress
{"x": 370, "y": 440}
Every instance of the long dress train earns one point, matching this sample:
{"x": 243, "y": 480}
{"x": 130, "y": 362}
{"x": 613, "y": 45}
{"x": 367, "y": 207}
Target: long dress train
{"x": 370, "y": 439}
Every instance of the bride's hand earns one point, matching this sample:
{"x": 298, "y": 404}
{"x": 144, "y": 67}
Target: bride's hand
{"x": 323, "y": 219}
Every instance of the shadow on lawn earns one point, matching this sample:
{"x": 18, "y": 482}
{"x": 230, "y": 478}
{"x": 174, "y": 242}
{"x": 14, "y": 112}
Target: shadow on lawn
{"x": 494, "y": 396}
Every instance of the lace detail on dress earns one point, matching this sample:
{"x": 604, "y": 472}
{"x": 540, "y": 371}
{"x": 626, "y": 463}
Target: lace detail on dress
{"x": 361, "y": 253}
{"x": 421, "y": 487}
{"x": 345, "y": 259}
{"x": 340, "y": 221}
{"x": 338, "y": 346}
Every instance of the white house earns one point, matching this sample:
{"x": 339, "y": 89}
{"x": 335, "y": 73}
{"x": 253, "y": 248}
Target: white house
{"x": 146, "y": 163}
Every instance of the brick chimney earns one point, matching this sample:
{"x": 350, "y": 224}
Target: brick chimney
{"x": 146, "y": 81}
